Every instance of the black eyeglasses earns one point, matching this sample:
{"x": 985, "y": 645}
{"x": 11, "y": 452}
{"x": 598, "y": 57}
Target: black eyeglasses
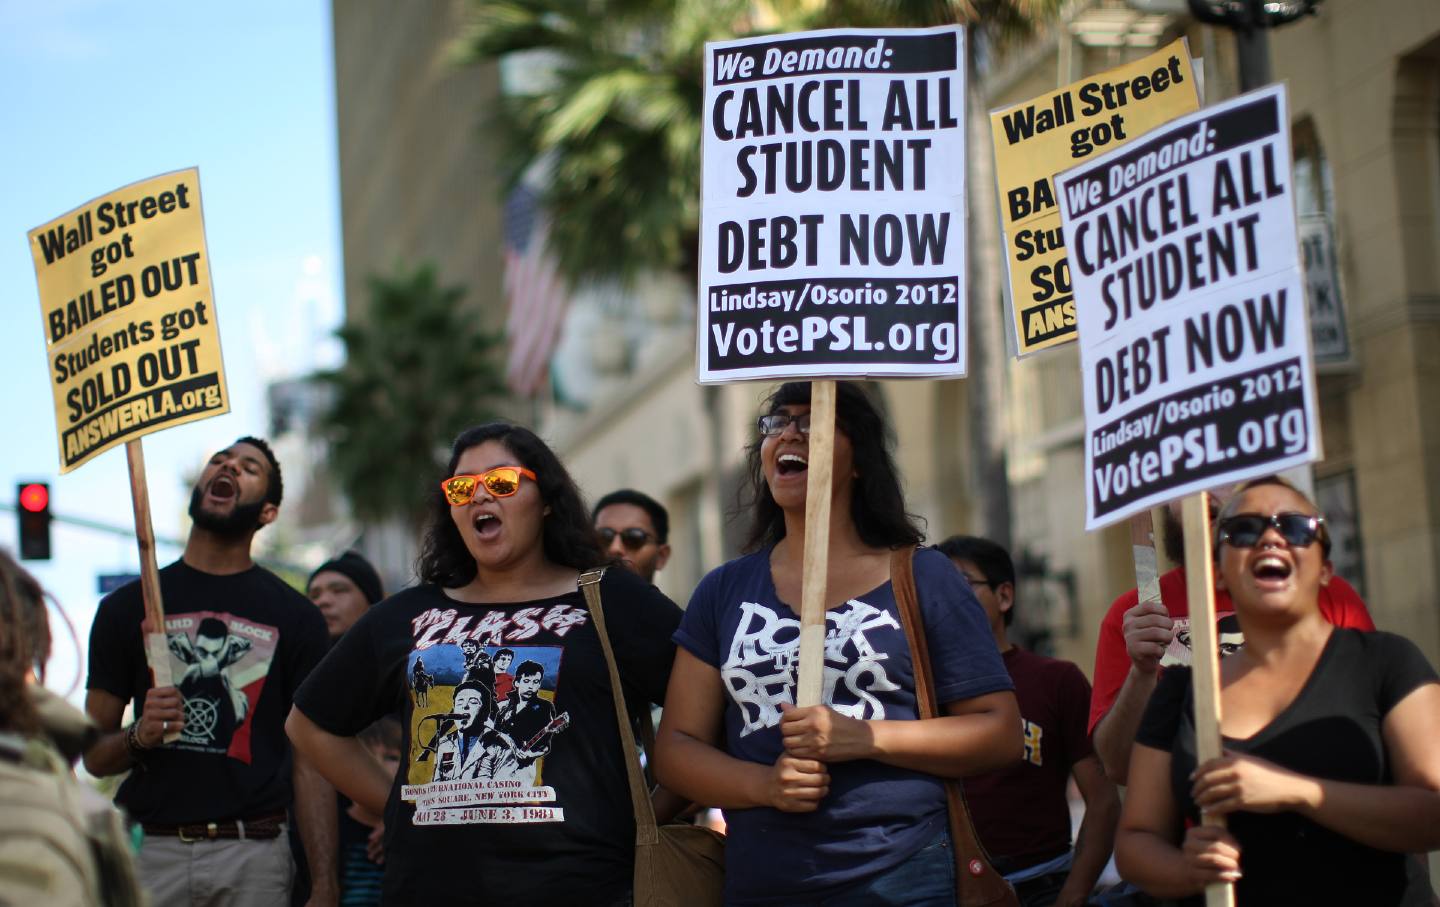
{"x": 633, "y": 538}
{"x": 774, "y": 424}
{"x": 1299, "y": 530}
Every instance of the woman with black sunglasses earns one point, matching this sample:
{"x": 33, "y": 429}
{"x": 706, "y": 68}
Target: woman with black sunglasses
{"x": 512, "y": 787}
{"x": 842, "y": 803}
{"x": 1330, "y": 773}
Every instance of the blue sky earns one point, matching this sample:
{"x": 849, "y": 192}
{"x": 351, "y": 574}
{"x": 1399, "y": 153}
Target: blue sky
{"x": 95, "y": 94}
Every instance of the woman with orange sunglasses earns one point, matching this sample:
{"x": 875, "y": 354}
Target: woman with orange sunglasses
{"x": 512, "y": 786}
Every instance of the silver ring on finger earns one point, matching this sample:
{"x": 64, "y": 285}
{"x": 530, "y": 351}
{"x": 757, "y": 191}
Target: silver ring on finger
{"x": 165, "y": 727}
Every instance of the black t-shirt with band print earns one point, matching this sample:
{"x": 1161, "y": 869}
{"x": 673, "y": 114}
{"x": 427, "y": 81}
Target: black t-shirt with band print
{"x": 512, "y": 785}
{"x": 239, "y": 646}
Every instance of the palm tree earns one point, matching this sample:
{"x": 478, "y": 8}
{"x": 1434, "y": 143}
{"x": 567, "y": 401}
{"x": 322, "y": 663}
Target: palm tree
{"x": 619, "y": 126}
{"x": 419, "y": 368}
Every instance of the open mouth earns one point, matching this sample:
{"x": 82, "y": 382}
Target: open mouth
{"x": 790, "y": 464}
{"x": 487, "y": 525}
{"x": 223, "y": 488}
{"x": 1271, "y": 568}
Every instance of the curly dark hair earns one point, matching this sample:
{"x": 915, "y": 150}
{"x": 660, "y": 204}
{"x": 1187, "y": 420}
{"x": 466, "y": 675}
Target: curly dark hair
{"x": 24, "y": 644}
{"x": 568, "y": 535}
{"x": 877, "y": 505}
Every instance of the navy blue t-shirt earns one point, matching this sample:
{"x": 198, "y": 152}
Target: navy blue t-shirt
{"x": 876, "y": 816}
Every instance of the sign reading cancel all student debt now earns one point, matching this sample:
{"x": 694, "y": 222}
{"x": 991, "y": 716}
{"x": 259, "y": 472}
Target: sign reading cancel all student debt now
{"x": 129, "y": 317}
{"x": 1194, "y": 347}
{"x": 833, "y": 206}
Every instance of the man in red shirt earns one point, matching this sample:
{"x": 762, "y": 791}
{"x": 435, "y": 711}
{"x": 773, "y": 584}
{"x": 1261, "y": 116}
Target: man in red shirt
{"x": 1021, "y": 812}
{"x": 1138, "y": 639}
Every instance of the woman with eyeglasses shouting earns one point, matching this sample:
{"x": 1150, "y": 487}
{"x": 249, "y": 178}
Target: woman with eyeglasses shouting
{"x": 512, "y": 787}
{"x": 1331, "y": 772}
{"x": 841, "y": 803}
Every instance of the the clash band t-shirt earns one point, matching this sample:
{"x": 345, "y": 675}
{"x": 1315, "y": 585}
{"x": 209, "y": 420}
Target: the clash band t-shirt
{"x": 876, "y": 816}
{"x": 239, "y": 646}
{"x": 512, "y": 784}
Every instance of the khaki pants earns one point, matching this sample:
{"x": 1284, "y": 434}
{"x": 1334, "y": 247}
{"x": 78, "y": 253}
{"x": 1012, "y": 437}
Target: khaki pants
{"x": 223, "y": 873}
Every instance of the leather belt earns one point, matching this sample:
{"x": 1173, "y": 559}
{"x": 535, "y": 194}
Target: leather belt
{"x": 258, "y": 828}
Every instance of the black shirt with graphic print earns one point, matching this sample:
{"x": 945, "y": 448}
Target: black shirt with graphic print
{"x": 239, "y": 645}
{"x": 520, "y": 798}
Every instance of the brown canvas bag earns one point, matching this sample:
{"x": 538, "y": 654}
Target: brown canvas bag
{"x": 674, "y": 863}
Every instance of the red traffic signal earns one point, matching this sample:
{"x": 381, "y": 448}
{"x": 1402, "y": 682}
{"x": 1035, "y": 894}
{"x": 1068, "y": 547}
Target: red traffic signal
{"x": 35, "y": 497}
{"x": 32, "y": 506}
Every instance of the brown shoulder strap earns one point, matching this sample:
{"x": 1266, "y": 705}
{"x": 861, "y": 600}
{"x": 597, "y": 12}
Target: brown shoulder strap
{"x": 645, "y": 828}
{"x": 977, "y": 881}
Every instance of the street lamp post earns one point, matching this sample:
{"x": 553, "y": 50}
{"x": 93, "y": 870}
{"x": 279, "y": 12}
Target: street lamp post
{"x": 1249, "y": 19}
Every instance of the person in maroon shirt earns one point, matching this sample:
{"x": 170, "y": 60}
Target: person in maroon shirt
{"x": 1021, "y": 812}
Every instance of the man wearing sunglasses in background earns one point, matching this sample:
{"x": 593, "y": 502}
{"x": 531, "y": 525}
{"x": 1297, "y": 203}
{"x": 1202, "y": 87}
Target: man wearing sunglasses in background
{"x": 1137, "y": 639}
{"x": 635, "y": 529}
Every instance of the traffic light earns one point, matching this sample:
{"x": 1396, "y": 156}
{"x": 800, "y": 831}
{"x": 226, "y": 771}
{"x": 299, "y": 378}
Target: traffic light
{"x": 32, "y": 505}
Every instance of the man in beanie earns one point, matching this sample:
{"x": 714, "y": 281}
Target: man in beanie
{"x": 343, "y": 589}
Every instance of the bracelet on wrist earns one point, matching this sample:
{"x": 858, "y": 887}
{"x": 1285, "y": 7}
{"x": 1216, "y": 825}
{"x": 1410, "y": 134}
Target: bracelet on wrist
{"x": 133, "y": 743}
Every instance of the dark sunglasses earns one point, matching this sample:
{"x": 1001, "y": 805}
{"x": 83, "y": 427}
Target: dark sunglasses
{"x": 1244, "y": 530}
{"x": 774, "y": 424}
{"x": 633, "y": 538}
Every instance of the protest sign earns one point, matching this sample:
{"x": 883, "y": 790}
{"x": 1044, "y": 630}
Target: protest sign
{"x": 1194, "y": 348}
{"x": 1322, "y": 289}
{"x": 833, "y": 206}
{"x": 132, "y": 342}
{"x": 130, "y": 330}
{"x": 1039, "y": 138}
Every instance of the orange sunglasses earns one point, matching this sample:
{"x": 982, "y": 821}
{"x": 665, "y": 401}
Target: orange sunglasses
{"x": 500, "y": 482}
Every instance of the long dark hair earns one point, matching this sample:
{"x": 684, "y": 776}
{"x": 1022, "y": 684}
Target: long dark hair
{"x": 568, "y": 536}
{"x": 24, "y": 644}
{"x": 877, "y": 505}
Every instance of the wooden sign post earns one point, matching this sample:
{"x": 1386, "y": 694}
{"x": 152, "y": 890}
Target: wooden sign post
{"x": 1204, "y": 658}
{"x": 157, "y": 653}
{"x": 810, "y": 683}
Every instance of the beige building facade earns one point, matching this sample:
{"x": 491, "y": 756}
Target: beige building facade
{"x": 1364, "y": 87}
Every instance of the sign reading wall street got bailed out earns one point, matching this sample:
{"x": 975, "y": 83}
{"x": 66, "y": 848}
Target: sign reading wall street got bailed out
{"x": 833, "y": 221}
{"x": 1045, "y": 135}
{"x": 1194, "y": 348}
{"x": 129, "y": 318}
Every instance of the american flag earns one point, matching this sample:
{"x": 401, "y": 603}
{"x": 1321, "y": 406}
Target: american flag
{"x": 536, "y": 292}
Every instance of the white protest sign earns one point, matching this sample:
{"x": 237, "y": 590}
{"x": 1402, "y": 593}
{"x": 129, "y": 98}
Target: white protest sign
{"x": 1194, "y": 348}
{"x": 833, "y": 205}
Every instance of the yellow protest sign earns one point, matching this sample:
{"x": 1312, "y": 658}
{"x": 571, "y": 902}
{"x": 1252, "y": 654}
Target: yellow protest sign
{"x": 130, "y": 329}
{"x": 1044, "y": 136}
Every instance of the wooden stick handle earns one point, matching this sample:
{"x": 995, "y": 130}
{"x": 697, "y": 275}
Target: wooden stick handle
{"x": 809, "y": 684}
{"x": 1204, "y": 658}
{"x": 145, "y": 539}
{"x": 157, "y": 653}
